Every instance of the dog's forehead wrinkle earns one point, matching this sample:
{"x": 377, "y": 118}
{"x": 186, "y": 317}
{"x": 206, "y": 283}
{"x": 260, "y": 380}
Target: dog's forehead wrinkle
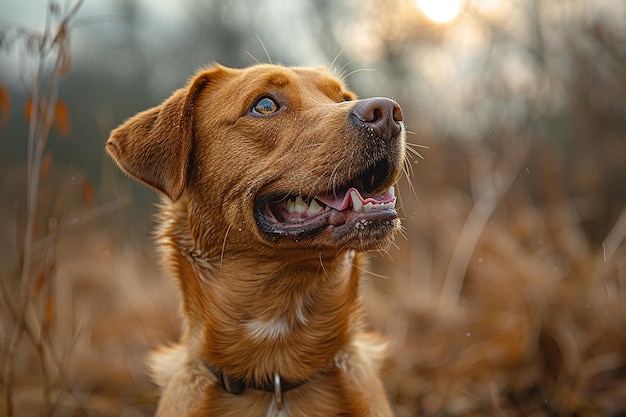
{"x": 322, "y": 87}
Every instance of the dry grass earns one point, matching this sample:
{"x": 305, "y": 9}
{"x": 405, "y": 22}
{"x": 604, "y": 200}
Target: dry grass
{"x": 506, "y": 298}
{"x": 536, "y": 329}
{"x": 90, "y": 285}
{"x": 538, "y": 326}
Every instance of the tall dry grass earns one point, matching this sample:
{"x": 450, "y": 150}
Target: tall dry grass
{"x": 42, "y": 321}
{"x": 516, "y": 312}
{"x": 505, "y": 298}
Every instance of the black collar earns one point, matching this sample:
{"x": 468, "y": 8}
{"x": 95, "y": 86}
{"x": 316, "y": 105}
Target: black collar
{"x": 238, "y": 386}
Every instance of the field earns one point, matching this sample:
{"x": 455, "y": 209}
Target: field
{"x": 505, "y": 295}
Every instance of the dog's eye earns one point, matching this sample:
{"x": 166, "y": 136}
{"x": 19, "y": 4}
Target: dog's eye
{"x": 265, "y": 105}
{"x": 347, "y": 97}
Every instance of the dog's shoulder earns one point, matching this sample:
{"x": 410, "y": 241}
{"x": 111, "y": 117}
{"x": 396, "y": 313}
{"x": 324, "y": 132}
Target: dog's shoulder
{"x": 182, "y": 379}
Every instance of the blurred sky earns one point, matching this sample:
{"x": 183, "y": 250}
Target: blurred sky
{"x": 466, "y": 76}
{"x": 162, "y": 24}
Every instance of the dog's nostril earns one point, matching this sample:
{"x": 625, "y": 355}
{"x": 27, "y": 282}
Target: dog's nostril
{"x": 397, "y": 113}
{"x": 378, "y": 114}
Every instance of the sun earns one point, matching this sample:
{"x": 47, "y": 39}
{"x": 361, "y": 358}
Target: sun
{"x": 440, "y": 11}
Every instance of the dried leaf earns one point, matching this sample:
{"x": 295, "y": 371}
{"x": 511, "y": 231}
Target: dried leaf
{"x": 61, "y": 35}
{"x": 62, "y": 119}
{"x": 28, "y": 109}
{"x": 89, "y": 193}
{"x": 65, "y": 62}
{"x": 5, "y": 103}
{"x": 46, "y": 165}
{"x": 41, "y": 281}
{"x": 49, "y": 312}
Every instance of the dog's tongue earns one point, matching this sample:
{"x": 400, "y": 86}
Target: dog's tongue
{"x": 356, "y": 199}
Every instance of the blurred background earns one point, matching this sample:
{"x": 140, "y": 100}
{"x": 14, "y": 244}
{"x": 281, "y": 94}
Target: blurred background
{"x": 505, "y": 296}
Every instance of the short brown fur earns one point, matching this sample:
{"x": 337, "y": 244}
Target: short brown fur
{"x": 212, "y": 159}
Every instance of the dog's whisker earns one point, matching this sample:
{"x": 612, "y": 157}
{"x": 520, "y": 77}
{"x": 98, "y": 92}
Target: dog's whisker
{"x": 354, "y": 72}
{"x": 326, "y": 274}
{"x": 403, "y": 232}
{"x": 408, "y": 172}
{"x": 253, "y": 57}
{"x": 414, "y": 152}
{"x": 269, "y": 58}
{"x": 407, "y": 167}
{"x": 372, "y": 273}
{"x": 224, "y": 244}
{"x": 330, "y": 181}
{"x": 317, "y": 180}
{"x": 344, "y": 67}
{"x": 332, "y": 64}
{"x": 352, "y": 159}
{"x": 304, "y": 181}
{"x": 332, "y": 185}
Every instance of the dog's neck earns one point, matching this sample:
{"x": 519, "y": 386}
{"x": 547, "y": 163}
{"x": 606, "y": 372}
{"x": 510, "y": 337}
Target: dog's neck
{"x": 253, "y": 317}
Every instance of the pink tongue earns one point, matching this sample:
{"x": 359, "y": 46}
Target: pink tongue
{"x": 343, "y": 200}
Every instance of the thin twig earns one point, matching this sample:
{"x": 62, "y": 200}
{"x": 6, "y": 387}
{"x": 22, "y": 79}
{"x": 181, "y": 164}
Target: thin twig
{"x": 44, "y": 95}
{"x": 610, "y": 245}
{"x": 487, "y": 197}
{"x": 81, "y": 220}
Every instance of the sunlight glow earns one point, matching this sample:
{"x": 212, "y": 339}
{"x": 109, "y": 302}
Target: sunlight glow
{"x": 440, "y": 11}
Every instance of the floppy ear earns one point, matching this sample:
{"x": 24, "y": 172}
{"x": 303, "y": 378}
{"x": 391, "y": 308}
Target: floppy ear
{"x": 155, "y": 145}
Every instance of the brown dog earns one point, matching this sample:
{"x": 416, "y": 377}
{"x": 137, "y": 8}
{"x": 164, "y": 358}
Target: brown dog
{"x": 276, "y": 179}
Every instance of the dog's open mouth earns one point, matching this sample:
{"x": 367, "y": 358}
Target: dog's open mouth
{"x": 359, "y": 203}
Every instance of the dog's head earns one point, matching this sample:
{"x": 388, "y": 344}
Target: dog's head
{"x": 273, "y": 157}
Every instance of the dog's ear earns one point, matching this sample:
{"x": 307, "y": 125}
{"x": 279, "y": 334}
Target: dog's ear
{"x": 155, "y": 145}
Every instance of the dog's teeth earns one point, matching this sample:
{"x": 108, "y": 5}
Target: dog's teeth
{"x": 392, "y": 191}
{"x": 314, "y": 207}
{"x": 356, "y": 202}
{"x": 368, "y": 207}
{"x": 291, "y": 205}
{"x": 300, "y": 206}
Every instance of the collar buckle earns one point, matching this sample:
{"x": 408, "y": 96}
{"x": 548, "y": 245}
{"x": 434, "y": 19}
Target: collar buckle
{"x": 278, "y": 393}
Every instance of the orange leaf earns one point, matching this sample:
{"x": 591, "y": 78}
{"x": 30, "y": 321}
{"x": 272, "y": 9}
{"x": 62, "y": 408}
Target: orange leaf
{"x": 41, "y": 280}
{"x": 28, "y": 109}
{"x": 46, "y": 165}
{"x": 89, "y": 193}
{"x": 65, "y": 61}
{"x": 5, "y": 102}
{"x": 62, "y": 118}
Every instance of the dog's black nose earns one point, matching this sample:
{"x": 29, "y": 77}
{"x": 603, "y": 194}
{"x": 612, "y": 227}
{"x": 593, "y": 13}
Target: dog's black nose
{"x": 382, "y": 116}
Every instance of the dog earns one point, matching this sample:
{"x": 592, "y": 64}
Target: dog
{"x": 275, "y": 181}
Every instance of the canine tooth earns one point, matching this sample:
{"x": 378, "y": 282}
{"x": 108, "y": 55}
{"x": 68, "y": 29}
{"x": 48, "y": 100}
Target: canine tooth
{"x": 300, "y": 206}
{"x": 356, "y": 201}
{"x": 314, "y": 207}
{"x": 392, "y": 191}
{"x": 291, "y": 205}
